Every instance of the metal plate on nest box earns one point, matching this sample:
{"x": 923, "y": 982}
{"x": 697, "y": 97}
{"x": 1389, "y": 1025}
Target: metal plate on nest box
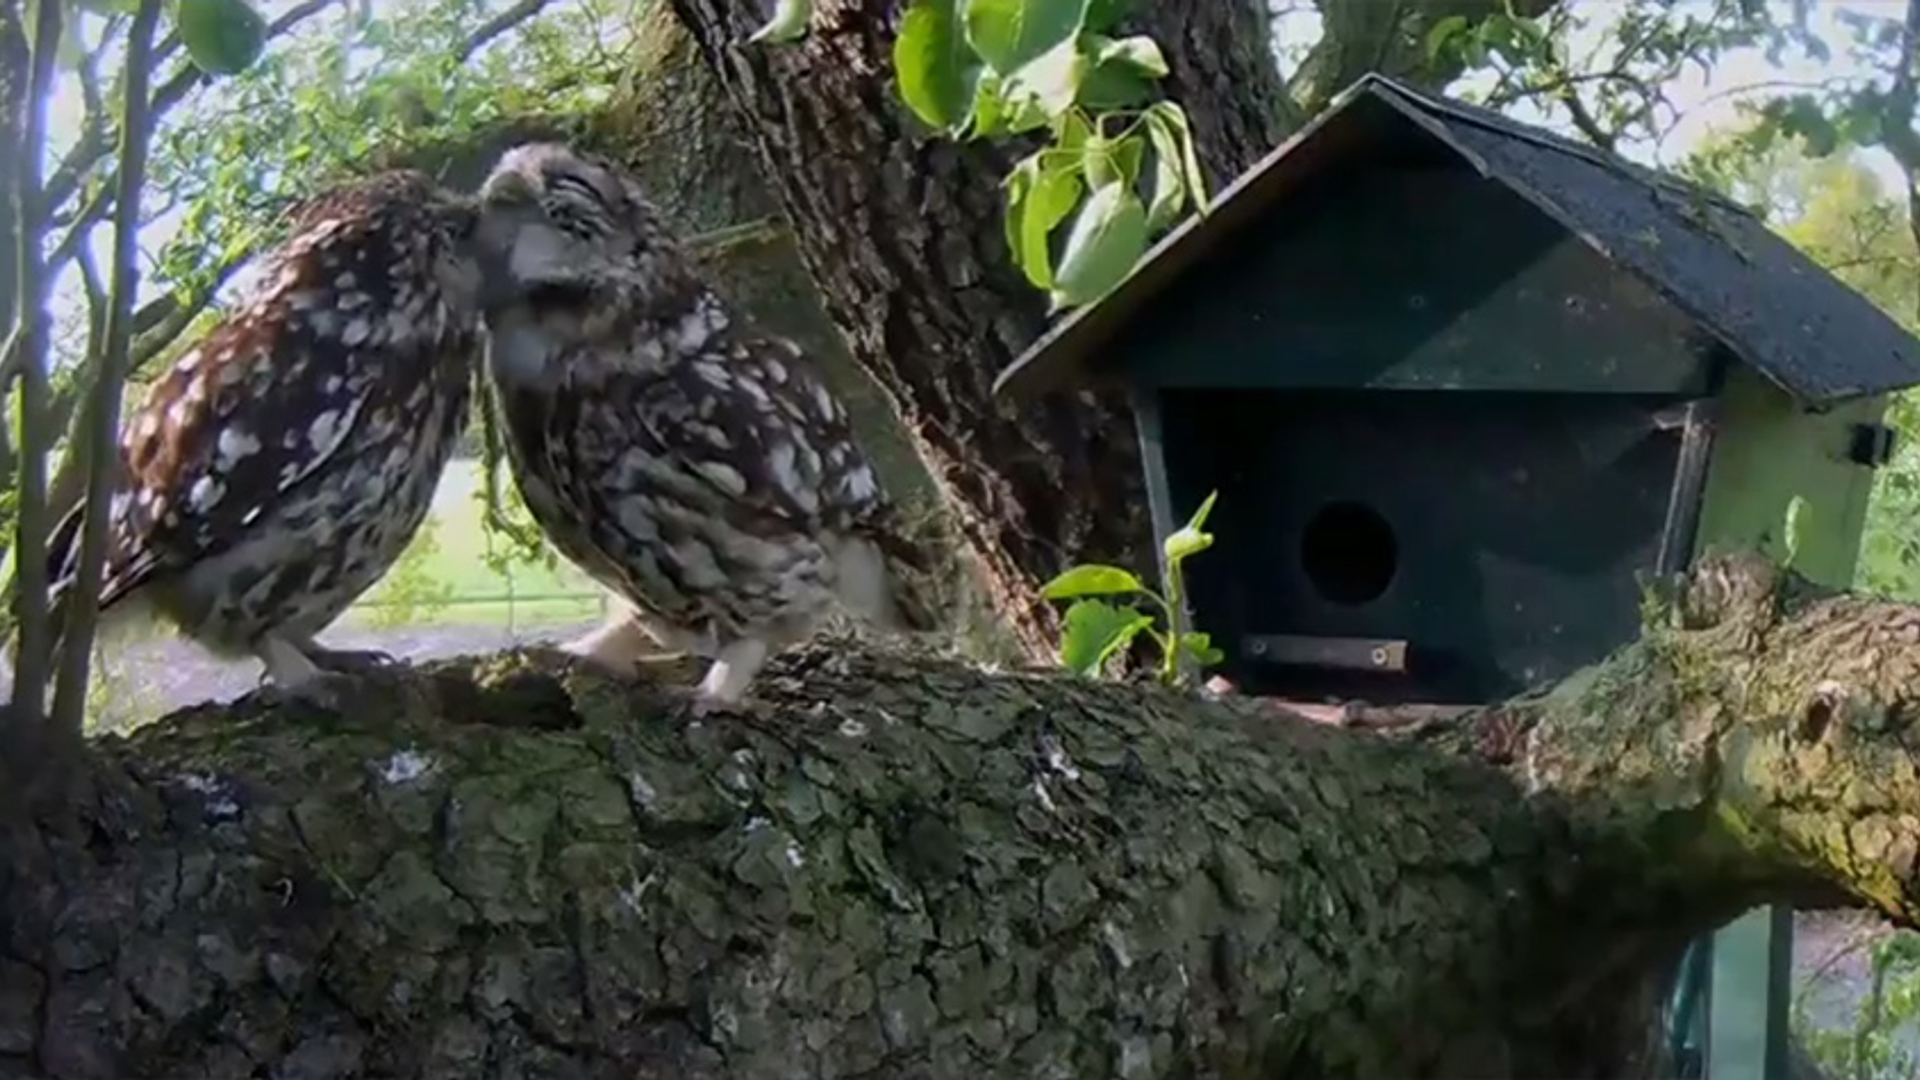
{"x": 1345, "y": 653}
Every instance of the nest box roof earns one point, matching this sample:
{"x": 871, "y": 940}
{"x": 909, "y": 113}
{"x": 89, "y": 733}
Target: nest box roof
{"x": 1770, "y": 305}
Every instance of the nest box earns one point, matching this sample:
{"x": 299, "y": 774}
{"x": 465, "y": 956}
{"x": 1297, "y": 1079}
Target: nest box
{"x": 1460, "y": 383}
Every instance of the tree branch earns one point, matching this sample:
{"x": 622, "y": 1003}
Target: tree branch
{"x": 28, "y": 705}
{"x": 99, "y": 434}
{"x": 886, "y": 855}
{"x": 499, "y": 24}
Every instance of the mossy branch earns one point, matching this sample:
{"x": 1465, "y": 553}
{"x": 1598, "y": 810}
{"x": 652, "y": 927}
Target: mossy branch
{"x": 897, "y": 864}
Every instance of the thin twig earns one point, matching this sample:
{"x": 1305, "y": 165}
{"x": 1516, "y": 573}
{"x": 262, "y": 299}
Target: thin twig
{"x": 496, "y": 26}
{"x": 30, "y": 526}
{"x": 102, "y": 428}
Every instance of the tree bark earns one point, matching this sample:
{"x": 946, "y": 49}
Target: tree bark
{"x": 901, "y": 866}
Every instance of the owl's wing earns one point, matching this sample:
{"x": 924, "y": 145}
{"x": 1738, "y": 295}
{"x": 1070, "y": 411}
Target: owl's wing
{"x": 266, "y": 400}
{"x": 750, "y": 431}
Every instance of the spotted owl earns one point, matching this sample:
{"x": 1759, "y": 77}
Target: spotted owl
{"x": 283, "y": 463}
{"x": 697, "y": 468}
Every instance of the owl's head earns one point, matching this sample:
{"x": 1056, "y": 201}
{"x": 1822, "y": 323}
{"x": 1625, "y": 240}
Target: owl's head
{"x": 569, "y": 234}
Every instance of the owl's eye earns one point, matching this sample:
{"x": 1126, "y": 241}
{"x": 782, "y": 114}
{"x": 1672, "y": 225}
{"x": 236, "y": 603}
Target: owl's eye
{"x": 581, "y": 187}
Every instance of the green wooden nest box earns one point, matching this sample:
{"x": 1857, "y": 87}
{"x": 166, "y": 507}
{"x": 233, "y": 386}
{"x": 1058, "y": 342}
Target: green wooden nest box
{"x": 1460, "y": 383}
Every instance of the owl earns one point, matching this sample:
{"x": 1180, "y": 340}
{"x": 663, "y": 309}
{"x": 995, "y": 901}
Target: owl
{"x": 283, "y": 463}
{"x": 697, "y": 468}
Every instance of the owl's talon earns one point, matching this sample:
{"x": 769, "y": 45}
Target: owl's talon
{"x": 351, "y": 661}
{"x": 328, "y": 691}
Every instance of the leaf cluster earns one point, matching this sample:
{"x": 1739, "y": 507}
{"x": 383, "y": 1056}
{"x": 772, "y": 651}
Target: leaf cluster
{"x": 1118, "y": 166}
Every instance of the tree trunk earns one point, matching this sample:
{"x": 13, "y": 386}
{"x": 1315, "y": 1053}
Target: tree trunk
{"x": 904, "y": 867}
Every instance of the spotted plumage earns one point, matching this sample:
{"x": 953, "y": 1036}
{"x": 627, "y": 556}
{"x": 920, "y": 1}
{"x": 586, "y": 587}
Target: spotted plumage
{"x": 282, "y": 464}
{"x": 699, "y": 469}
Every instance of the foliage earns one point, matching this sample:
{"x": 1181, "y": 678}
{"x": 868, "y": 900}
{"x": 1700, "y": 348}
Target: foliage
{"x": 1119, "y": 166}
{"x": 326, "y": 101}
{"x": 1097, "y": 630}
{"x": 410, "y": 592}
{"x": 1608, "y": 68}
{"x": 1879, "y": 1046}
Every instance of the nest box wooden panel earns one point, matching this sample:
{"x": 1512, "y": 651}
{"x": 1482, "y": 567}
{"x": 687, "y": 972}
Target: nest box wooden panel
{"x": 1460, "y": 384}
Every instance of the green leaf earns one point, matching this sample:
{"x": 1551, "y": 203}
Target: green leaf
{"x": 1092, "y": 579}
{"x": 1071, "y": 130}
{"x": 223, "y": 37}
{"x": 1113, "y": 161}
{"x": 1010, "y": 34}
{"x": 1139, "y": 53}
{"x": 939, "y": 73}
{"x": 1199, "y": 518}
{"x": 1095, "y": 630}
{"x": 1200, "y": 646}
{"x": 1189, "y": 540}
{"x": 1443, "y": 32}
{"x": 1003, "y": 108}
{"x": 1169, "y": 178}
{"x": 1107, "y": 239}
{"x": 1179, "y": 134}
{"x": 789, "y": 22}
{"x": 1122, "y": 72}
{"x": 1039, "y": 198}
{"x": 1053, "y": 78}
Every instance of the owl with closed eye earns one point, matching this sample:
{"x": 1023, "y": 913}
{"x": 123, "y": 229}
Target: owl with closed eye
{"x": 696, "y": 467}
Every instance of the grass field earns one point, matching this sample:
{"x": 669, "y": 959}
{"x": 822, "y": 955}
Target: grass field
{"x": 447, "y": 578}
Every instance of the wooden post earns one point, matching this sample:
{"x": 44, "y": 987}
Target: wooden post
{"x": 1750, "y": 999}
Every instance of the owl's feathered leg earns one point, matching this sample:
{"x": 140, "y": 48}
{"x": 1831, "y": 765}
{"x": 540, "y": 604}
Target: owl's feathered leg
{"x": 617, "y": 645}
{"x": 733, "y": 669}
{"x": 291, "y": 674}
{"x": 346, "y": 661}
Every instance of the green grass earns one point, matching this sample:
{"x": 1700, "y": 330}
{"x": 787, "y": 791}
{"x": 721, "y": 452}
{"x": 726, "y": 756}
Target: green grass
{"x": 450, "y": 581}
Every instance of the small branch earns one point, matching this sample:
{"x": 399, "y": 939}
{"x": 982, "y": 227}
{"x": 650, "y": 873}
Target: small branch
{"x": 30, "y": 526}
{"x": 499, "y": 24}
{"x": 163, "y": 320}
{"x": 100, "y": 432}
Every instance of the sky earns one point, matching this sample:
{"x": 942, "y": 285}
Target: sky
{"x": 1705, "y": 101}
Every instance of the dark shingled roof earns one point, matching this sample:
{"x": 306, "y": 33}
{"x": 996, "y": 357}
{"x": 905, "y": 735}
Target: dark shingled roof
{"x": 1767, "y": 302}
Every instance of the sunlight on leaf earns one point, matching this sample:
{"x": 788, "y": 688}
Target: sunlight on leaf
{"x": 939, "y": 74}
{"x": 1106, "y": 241}
{"x": 1092, "y": 579}
{"x": 1010, "y": 34}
